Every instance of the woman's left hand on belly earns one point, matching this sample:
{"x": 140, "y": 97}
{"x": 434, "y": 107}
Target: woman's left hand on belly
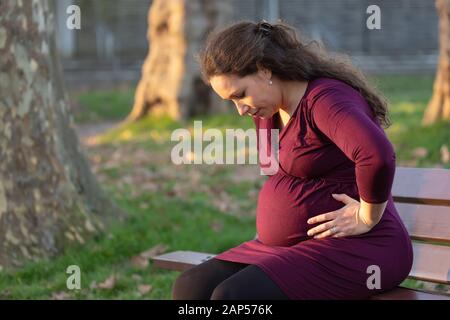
{"x": 345, "y": 221}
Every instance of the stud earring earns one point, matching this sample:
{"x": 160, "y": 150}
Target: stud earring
{"x": 270, "y": 82}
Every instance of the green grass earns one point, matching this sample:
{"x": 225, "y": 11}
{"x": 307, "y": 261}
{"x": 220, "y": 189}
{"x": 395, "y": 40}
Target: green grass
{"x": 408, "y": 97}
{"x": 110, "y": 254}
{"x": 184, "y": 219}
{"x": 106, "y": 104}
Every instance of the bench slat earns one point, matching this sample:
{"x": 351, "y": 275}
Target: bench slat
{"x": 422, "y": 185}
{"x": 181, "y": 260}
{"x": 425, "y": 222}
{"x": 431, "y": 263}
{"x": 422, "y": 197}
{"x": 408, "y": 294}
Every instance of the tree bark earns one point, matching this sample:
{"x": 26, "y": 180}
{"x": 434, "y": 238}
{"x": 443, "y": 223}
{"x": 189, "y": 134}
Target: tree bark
{"x": 171, "y": 83}
{"x": 439, "y": 106}
{"x": 48, "y": 195}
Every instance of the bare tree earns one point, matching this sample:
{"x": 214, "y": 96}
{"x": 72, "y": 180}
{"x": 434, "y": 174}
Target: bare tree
{"x": 439, "y": 105}
{"x": 171, "y": 83}
{"x": 48, "y": 195}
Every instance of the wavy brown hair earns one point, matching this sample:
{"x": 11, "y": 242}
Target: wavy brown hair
{"x": 240, "y": 47}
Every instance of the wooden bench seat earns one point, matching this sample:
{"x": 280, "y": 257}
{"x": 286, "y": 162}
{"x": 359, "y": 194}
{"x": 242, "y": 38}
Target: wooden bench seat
{"x": 422, "y": 198}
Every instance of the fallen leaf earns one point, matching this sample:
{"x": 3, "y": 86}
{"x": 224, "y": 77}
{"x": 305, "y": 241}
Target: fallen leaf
{"x": 108, "y": 284}
{"x": 5, "y": 294}
{"x": 136, "y": 277}
{"x": 144, "y": 288}
{"x": 62, "y": 295}
{"x": 139, "y": 262}
{"x": 154, "y": 251}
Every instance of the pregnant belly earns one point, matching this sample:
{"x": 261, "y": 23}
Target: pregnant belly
{"x": 285, "y": 203}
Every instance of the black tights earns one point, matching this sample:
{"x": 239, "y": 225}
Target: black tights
{"x": 225, "y": 280}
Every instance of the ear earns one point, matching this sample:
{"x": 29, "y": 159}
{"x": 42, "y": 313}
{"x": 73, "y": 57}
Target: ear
{"x": 264, "y": 72}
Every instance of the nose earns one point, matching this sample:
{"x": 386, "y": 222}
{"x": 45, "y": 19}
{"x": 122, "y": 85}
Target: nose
{"x": 243, "y": 109}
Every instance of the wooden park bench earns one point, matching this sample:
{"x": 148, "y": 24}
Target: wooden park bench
{"x": 422, "y": 198}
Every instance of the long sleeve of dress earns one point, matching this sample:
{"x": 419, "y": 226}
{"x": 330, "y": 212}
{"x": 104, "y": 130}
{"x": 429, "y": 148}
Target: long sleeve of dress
{"x": 343, "y": 116}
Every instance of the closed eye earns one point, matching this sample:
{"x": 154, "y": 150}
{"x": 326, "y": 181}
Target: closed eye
{"x": 241, "y": 96}
{"x": 235, "y": 96}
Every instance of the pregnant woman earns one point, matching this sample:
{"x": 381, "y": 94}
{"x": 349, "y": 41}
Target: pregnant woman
{"x": 327, "y": 227}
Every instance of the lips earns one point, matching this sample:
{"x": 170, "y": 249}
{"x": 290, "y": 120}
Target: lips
{"x": 255, "y": 113}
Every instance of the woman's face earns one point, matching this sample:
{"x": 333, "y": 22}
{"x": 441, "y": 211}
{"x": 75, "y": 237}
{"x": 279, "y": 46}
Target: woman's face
{"x": 252, "y": 94}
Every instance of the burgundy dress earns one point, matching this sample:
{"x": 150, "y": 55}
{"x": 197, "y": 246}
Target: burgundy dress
{"x": 331, "y": 144}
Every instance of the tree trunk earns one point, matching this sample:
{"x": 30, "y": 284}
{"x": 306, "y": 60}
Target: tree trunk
{"x": 439, "y": 105}
{"x": 171, "y": 83}
{"x": 48, "y": 195}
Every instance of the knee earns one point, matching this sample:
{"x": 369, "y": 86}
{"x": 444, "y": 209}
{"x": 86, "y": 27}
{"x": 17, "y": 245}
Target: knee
{"x": 226, "y": 291}
{"x": 183, "y": 286}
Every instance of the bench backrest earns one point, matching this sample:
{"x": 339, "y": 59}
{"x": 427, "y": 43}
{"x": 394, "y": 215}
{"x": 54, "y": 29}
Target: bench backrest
{"x": 422, "y": 198}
